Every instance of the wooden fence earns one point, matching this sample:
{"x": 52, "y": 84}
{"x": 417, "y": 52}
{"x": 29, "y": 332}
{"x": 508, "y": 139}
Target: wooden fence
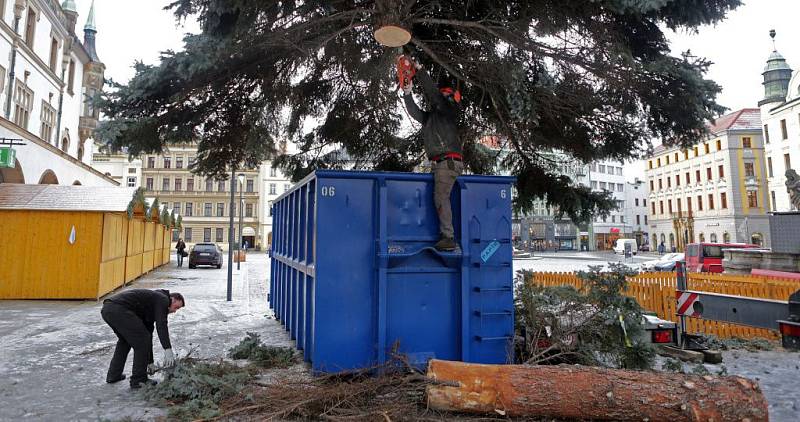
{"x": 655, "y": 292}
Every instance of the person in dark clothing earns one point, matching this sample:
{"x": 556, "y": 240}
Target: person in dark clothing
{"x": 132, "y": 315}
{"x": 442, "y": 146}
{"x": 180, "y": 247}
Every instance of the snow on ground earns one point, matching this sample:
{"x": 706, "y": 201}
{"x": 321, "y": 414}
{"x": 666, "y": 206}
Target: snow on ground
{"x": 55, "y": 354}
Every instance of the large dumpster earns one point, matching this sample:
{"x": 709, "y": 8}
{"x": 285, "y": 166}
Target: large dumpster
{"x": 354, "y": 276}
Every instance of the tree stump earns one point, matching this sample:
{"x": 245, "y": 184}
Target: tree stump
{"x": 580, "y": 392}
{"x": 389, "y": 28}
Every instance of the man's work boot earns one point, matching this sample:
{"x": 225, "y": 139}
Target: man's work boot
{"x": 446, "y": 244}
{"x": 115, "y": 380}
{"x": 148, "y": 381}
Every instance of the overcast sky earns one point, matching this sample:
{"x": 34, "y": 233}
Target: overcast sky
{"x": 738, "y": 46}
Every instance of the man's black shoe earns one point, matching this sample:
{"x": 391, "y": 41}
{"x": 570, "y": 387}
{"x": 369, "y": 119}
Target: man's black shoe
{"x": 447, "y": 244}
{"x": 115, "y": 380}
{"x": 148, "y": 381}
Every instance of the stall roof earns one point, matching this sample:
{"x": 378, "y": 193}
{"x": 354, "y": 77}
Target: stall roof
{"x": 64, "y": 198}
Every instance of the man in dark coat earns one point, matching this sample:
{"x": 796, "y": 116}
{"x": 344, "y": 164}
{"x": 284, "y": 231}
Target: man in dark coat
{"x": 180, "y": 247}
{"x": 132, "y": 315}
{"x": 442, "y": 146}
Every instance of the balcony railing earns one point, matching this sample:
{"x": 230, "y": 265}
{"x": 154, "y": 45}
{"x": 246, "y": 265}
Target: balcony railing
{"x": 245, "y": 194}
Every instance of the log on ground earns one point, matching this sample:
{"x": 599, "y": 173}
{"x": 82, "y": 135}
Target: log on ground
{"x": 581, "y": 392}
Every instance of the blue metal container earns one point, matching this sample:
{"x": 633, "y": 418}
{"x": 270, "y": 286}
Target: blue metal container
{"x": 354, "y": 276}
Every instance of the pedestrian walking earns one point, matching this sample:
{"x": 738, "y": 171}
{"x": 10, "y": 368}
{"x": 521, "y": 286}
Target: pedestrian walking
{"x": 661, "y": 248}
{"x": 442, "y": 144}
{"x": 180, "y": 247}
{"x": 132, "y": 314}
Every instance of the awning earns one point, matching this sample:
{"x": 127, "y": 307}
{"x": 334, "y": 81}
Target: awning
{"x": 248, "y": 231}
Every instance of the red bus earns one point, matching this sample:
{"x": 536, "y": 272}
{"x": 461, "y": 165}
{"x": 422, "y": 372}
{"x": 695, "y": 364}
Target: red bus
{"x": 707, "y": 257}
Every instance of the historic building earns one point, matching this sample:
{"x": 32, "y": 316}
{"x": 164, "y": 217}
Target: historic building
{"x": 125, "y": 170}
{"x": 715, "y": 191}
{"x": 204, "y": 204}
{"x": 604, "y": 230}
{"x": 48, "y": 79}
{"x": 272, "y": 184}
{"x": 780, "y": 116}
{"x": 635, "y": 211}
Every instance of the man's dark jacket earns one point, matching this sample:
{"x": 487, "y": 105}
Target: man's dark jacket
{"x": 151, "y": 306}
{"x": 439, "y": 131}
{"x": 180, "y": 246}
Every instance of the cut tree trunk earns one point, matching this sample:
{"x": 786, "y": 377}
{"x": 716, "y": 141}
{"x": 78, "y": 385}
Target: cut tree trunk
{"x": 390, "y": 30}
{"x": 580, "y": 392}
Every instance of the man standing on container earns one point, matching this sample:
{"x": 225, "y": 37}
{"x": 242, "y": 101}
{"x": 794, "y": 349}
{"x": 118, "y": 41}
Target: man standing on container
{"x": 132, "y": 314}
{"x": 442, "y": 145}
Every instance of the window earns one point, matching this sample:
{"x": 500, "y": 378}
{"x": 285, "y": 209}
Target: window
{"x": 677, "y": 180}
{"x": 594, "y": 184}
{"x": 620, "y": 187}
{"x": 219, "y": 235}
{"x": 689, "y": 204}
{"x": 209, "y": 185}
{"x": 207, "y": 234}
{"x": 207, "y": 209}
{"x": 192, "y": 160}
{"x": 766, "y": 133}
{"x": 669, "y": 205}
{"x": 176, "y": 208}
{"x": 679, "y": 205}
{"x": 190, "y": 184}
{"x": 71, "y": 80}
{"x": 269, "y": 206}
{"x": 747, "y": 143}
{"x": 23, "y": 104}
{"x": 697, "y": 176}
{"x": 636, "y": 200}
{"x": 696, "y": 151}
{"x": 688, "y": 179}
{"x": 610, "y": 169}
{"x": 30, "y": 27}
{"x": 605, "y": 218}
{"x": 784, "y": 132}
{"x": 706, "y": 148}
{"x": 221, "y": 186}
{"x": 167, "y": 162}
{"x": 131, "y": 170}
{"x": 286, "y": 187}
{"x": 650, "y": 164}
{"x": 189, "y": 209}
{"x": 53, "y": 54}
{"x": 787, "y": 161}
{"x": 149, "y": 183}
{"x": 132, "y": 181}
{"x": 667, "y": 158}
{"x": 719, "y": 145}
{"x": 151, "y": 162}
{"x": 272, "y": 172}
{"x": 752, "y": 199}
{"x": 187, "y": 234}
{"x": 652, "y": 188}
{"x": 249, "y": 185}
{"x": 723, "y": 200}
{"x": 660, "y": 185}
{"x": 619, "y": 171}
{"x": 165, "y": 183}
{"x": 676, "y": 157}
{"x": 711, "y": 201}
{"x": 178, "y": 162}
{"x": 686, "y": 154}
{"x": 669, "y": 182}
{"x": 699, "y": 203}
{"x": 272, "y": 187}
{"x": 708, "y": 173}
{"x": 721, "y": 170}
{"x": 638, "y": 221}
{"x": 220, "y": 209}
{"x": 613, "y": 218}
{"x": 774, "y": 205}
{"x": 248, "y": 210}
{"x": 603, "y": 185}
{"x": 175, "y": 235}
{"x": 48, "y": 122}
{"x": 658, "y": 162}
{"x": 645, "y": 220}
{"x": 701, "y": 237}
{"x": 749, "y": 170}
{"x": 178, "y": 184}
{"x": 661, "y": 206}
{"x": 653, "y": 208}
{"x": 602, "y": 168}
{"x": 769, "y": 167}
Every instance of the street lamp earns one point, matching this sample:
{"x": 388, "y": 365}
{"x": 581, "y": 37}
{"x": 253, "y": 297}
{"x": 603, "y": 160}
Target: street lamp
{"x": 241, "y": 206}
{"x": 230, "y": 234}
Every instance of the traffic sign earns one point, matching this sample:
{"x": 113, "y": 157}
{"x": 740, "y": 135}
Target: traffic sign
{"x": 7, "y": 157}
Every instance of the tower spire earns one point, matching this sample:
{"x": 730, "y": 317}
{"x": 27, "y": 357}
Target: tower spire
{"x": 90, "y": 24}
{"x": 777, "y": 74}
{"x": 89, "y": 34}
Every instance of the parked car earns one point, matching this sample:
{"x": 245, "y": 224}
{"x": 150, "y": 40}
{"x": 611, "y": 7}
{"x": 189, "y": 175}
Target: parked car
{"x": 619, "y": 246}
{"x": 666, "y": 258}
{"x": 521, "y": 254}
{"x": 707, "y": 257}
{"x": 205, "y": 254}
{"x": 644, "y": 248}
{"x": 667, "y": 265}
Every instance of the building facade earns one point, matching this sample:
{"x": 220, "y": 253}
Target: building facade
{"x": 715, "y": 191}
{"x": 48, "y": 78}
{"x": 780, "y": 116}
{"x": 119, "y": 166}
{"x": 203, "y": 203}
{"x": 635, "y": 211}
{"x": 608, "y": 176}
{"x": 272, "y": 184}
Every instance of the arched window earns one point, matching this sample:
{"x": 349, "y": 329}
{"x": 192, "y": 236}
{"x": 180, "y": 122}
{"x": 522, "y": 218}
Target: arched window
{"x": 713, "y": 238}
{"x": 663, "y": 238}
{"x": 65, "y": 144}
{"x": 757, "y": 239}
{"x": 655, "y": 241}
{"x": 726, "y": 237}
{"x": 48, "y": 178}
{"x": 671, "y": 241}
{"x": 702, "y": 237}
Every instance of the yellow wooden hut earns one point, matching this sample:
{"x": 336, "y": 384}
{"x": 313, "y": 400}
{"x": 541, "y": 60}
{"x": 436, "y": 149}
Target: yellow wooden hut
{"x": 67, "y": 242}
